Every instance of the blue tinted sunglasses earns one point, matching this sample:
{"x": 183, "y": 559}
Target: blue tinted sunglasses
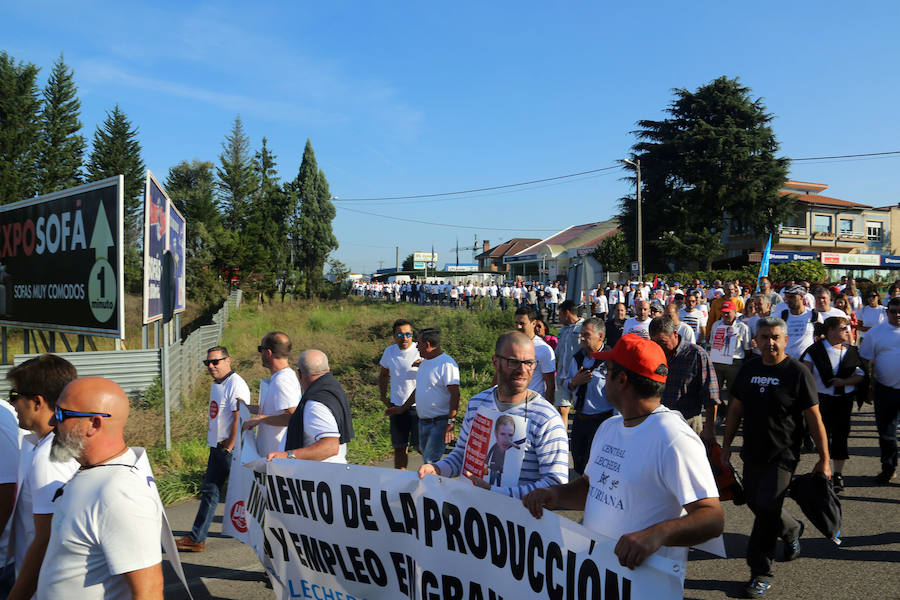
{"x": 62, "y": 414}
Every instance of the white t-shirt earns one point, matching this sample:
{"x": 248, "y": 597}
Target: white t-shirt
{"x": 870, "y": 317}
{"x": 432, "y": 395}
{"x": 546, "y": 363}
{"x": 318, "y": 423}
{"x": 643, "y": 475}
{"x": 553, "y": 293}
{"x": 108, "y": 523}
{"x": 833, "y": 312}
{"x": 9, "y": 450}
{"x": 223, "y": 402}
{"x": 281, "y": 392}
{"x": 736, "y": 336}
{"x": 506, "y": 292}
{"x": 403, "y": 374}
{"x": 882, "y": 343}
{"x": 686, "y": 333}
{"x": 641, "y": 328}
{"x": 602, "y": 304}
{"x": 493, "y": 291}
{"x": 799, "y": 332}
{"x": 39, "y": 479}
{"x": 835, "y": 355}
{"x": 694, "y": 319}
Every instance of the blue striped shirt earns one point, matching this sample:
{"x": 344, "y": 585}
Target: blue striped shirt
{"x": 546, "y": 460}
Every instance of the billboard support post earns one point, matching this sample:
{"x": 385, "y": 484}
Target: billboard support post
{"x": 164, "y": 356}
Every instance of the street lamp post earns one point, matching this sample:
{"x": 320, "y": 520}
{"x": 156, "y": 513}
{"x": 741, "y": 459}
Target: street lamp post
{"x": 640, "y": 229}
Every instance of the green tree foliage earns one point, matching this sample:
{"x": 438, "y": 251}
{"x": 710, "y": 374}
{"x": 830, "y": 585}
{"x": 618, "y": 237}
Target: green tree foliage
{"x": 408, "y": 263}
{"x": 312, "y": 231}
{"x": 19, "y": 130}
{"x": 236, "y": 178}
{"x": 192, "y": 189}
{"x": 116, "y": 151}
{"x": 613, "y": 253}
{"x": 714, "y": 155}
{"x": 61, "y": 146}
{"x": 265, "y": 238}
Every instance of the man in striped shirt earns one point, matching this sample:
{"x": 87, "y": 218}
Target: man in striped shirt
{"x": 546, "y": 446}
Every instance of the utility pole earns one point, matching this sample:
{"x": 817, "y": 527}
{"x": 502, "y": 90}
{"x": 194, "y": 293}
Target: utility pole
{"x": 397, "y": 258}
{"x": 640, "y": 229}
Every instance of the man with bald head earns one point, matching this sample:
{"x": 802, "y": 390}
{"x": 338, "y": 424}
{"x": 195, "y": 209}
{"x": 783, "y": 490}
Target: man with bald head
{"x": 106, "y": 528}
{"x": 322, "y": 424}
{"x": 544, "y": 444}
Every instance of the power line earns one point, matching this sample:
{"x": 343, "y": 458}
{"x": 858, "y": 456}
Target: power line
{"x": 484, "y": 189}
{"x": 845, "y": 156}
{"x": 365, "y": 212}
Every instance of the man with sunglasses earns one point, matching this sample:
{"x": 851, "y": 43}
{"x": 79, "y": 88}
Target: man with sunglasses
{"x": 227, "y": 390}
{"x": 546, "y": 447}
{"x": 36, "y": 386}
{"x": 399, "y": 365}
{"x": 107, "y": 527}
{"x": 881, "y": 347}
{"x": 279, "y": 394}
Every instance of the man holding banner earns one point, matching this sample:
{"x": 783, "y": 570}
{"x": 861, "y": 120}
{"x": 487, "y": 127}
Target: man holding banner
{"x": 648, "y": 483}
{"x": 538, "y": 455}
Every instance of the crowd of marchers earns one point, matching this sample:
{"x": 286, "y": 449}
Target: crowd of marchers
{"x": 615, "y": 415}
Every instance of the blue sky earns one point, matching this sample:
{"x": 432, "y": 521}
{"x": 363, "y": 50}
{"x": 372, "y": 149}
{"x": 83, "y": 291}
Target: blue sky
{"x": 418, "y": 98}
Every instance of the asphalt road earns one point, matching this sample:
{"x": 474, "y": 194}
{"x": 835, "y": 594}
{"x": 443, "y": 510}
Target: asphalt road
{"x": 866, "y": 565}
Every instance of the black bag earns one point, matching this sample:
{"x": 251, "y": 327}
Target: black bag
{"x": 815, "y": 495}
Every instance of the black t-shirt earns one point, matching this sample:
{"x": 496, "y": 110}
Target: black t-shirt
{"x": 774, "y": 398}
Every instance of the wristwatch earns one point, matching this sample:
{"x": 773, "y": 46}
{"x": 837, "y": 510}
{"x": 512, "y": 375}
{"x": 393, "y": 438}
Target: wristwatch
{"x": 290, "y": 454}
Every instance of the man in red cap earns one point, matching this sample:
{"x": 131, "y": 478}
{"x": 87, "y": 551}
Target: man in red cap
{"x": 646, "y": 467}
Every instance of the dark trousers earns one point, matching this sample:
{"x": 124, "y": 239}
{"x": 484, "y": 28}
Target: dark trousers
{"x": 836, "y": 412}
{"x": 217, "y": 468}
{"x": 766, "y": 487}
{"x": 887, "y": 415}
{"x": 583, "y": 430}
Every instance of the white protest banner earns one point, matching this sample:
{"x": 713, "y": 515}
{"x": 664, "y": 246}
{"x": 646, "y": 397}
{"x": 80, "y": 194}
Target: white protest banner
{"x": 355, "y": 532}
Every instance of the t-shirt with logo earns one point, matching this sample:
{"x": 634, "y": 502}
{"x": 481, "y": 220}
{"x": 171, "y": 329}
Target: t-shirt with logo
{"x": 774, "y": 398}
{"x": 641, "y": 328}
{"x": 800, "y": 331}
{"x": 223, "y": 401}
{"x": 403, "y": 374}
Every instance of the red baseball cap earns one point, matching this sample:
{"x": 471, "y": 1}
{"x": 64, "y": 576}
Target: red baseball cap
{"x": 639, "y": 355}
{"x": 726, "y": 306}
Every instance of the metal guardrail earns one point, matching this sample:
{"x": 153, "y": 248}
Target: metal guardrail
{"x": 136, "y": 370}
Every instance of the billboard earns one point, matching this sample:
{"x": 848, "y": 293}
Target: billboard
{"x": 164, "y": 230}
{"x": 428, "y": 256}
{"x": 61, "y": 261}
{"x": 852, "y": 260}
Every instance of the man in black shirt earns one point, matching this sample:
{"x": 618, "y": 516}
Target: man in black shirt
{"x": 772, "y": 394}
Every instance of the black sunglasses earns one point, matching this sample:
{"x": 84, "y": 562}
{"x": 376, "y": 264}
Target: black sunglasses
{"x": 213, "y": 361}
{"x": 261, "y": 348}
{"x": 15, "y": 395}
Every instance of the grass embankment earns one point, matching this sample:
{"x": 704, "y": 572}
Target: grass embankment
{"x": 353, "y": 335}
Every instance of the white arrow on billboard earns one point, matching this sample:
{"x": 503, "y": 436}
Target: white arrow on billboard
{"x": 101, "y": 238}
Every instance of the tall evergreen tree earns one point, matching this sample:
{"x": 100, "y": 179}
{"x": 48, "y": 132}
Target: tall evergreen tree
{"x": 191, "y": 185}
{"x": 714, "y": 156}
{"x": 116, "y": 151}
{"x": 315, "y": 239}
{"x": 236, "y": 179}
{"x": 19, "y": 130}
{"x": 61, "y": 147}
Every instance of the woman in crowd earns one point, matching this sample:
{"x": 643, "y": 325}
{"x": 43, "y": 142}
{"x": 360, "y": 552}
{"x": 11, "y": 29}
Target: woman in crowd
{"x": 842, "y": 302}
{"x": 542, "y": 331}
{"x": 872, "y": 313}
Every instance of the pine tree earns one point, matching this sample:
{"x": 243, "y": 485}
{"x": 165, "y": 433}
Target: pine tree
{"x": 236, "y": 180}
{"x": 313, "y": 233}
{"x": 116, "y": 151}
{"x": 19, "y": 130}
{"x": 715, "y": 155}
{"x": 61, "y": 147}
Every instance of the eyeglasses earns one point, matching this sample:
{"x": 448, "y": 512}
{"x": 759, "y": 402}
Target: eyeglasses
{"x": 15, "y": 395}
{"x": 261, "y": 348}
{"x": 513, "y": 363}
{"x": 404, "y": 334}
{"x": 894, "y": 312}
{"x": 845, "y": 328}
{"x": 62, "y": 414}
{"x": 213, "y": 361}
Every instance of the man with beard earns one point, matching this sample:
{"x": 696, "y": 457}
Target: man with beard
{"x": 36, "y": 386}
{"x": 106, "y": 532}
{"x": 546, "y": 448}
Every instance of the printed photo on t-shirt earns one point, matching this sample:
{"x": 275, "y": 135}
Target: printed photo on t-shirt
{"x": 496, "y": 446}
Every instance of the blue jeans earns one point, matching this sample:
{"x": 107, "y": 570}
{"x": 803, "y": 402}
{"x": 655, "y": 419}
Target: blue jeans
{"x": 887, "y": 415}
{"x": 431, "y": 439}
{"x": 217, "y": 468}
